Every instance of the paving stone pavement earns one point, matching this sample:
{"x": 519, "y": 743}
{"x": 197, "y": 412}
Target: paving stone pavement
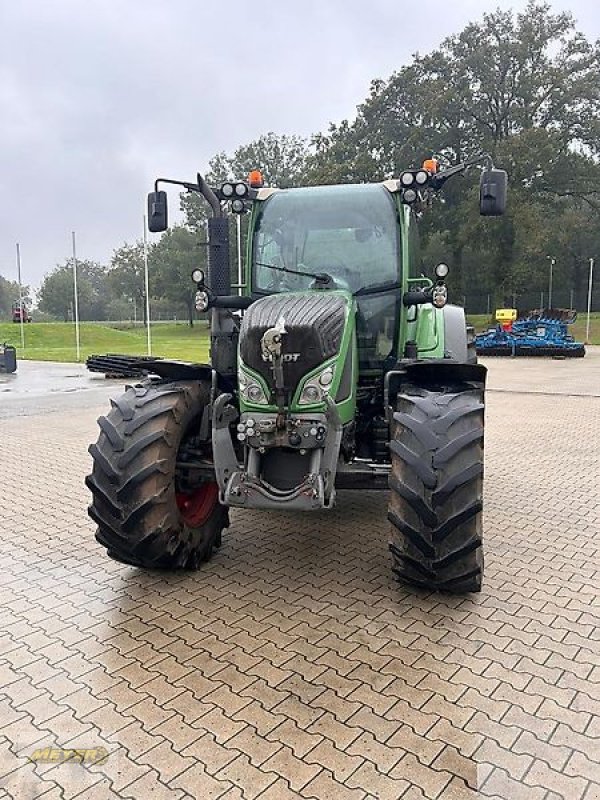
{"x": 293, "y": 665}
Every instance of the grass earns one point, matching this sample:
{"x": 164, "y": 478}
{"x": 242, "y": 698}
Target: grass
{"x": 481, "y": 322}
{"x": 55, "y": 341}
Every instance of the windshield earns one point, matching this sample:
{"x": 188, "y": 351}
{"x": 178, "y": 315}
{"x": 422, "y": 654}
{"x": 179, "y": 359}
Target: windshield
{"x": 348, "y": 232}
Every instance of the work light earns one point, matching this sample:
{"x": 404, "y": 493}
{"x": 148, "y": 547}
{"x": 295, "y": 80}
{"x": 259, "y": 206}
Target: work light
{"x": 198, "y": 276}
{"x": 407, "y": 179}
{"x": 421, "y": 177}
{"x": 441, "y": 270}
{"x": 201, "y": 301}
{"x": 227, "y": 190}
{"x": 241, "y": 189}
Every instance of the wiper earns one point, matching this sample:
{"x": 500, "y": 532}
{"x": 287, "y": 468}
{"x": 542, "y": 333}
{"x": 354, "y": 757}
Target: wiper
{"x": 316, "y": 275}
{"x": 322, "y": 278}
{"x": 377, "y": 289}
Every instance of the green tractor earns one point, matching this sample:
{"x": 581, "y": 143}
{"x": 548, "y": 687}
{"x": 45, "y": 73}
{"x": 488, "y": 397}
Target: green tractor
{"x": 336, "y": 365}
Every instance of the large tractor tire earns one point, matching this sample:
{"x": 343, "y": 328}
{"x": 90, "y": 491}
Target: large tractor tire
{"x": 436, "y": 484}
{"x": 144, "y": 517}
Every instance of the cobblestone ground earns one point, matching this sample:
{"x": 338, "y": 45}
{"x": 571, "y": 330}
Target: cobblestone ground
{"x": 293, "y": 665}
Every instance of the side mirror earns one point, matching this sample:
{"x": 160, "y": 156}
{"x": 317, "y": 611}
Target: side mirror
{"x": 157, "y": 212}
{"x": 492, "y": 192}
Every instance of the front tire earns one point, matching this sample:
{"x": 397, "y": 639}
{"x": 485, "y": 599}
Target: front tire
{"x": 436, "y": 484}
{"x": 144, "y": 517}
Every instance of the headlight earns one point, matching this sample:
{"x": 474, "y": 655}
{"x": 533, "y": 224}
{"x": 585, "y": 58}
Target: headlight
{"x": 311, "y": 393}
{"x": 255, "y": 394}
{"x": 317, "y": 387}
{"x": 326, "y": 377}
{"x": 409, "y": 195}
{"x": 440, "y": 296}
{"x": 238, "y": 206}
{"x": 201, "y": 301}
{"x": 250, "y": 389}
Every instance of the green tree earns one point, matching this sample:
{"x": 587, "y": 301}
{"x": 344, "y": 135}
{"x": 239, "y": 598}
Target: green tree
{"x": 171, "y": 261}
{"x": 524, "y": 87}
{"x": 56, "y": 295}
{"x": 280, "y": 157}
{"x": 125, "y": 278}
{"x": 9, "y": 293}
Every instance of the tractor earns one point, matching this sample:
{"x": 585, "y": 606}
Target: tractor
{"x": 20, "y": 312}
{"x": 335, "y": 364}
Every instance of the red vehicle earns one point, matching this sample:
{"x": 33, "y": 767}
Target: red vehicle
{"x": 20, "y": 311}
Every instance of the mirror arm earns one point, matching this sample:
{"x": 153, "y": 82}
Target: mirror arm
{"x": 201, "y": 187}
{"x": 441, "y": 177}
{"x": 191, "y": 187}
{"x": 210, "y": 197}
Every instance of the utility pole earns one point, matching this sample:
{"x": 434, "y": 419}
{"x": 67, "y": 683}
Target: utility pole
{"x": 589, "y": 301}
{"x": 552, "y": 263}
{"x": 22, "y": 321}
{"x": 76, "y": 298}
{"x": 147, "y": 291}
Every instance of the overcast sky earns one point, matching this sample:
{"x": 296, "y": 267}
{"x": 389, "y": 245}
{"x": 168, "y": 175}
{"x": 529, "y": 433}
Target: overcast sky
{"x": 99, "y": 97}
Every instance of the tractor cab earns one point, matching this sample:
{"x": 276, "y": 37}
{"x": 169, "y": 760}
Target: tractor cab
{"x": 334, "y": 237}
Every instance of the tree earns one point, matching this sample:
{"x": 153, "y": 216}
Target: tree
{"x": 9, "y": 293}
{"x": 524, "y": 87}
{"x": 56, "y": 296}
{"x": 125, "y": 279}
{"x": 171, "y": 261}
{"x": 280, "y": 157}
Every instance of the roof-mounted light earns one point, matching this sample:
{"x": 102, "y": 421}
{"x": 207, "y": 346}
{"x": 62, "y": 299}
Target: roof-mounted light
{"x": 255, "y": 179}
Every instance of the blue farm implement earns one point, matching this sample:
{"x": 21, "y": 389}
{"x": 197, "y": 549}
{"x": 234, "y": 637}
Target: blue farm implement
{"x": 540, "y": 333}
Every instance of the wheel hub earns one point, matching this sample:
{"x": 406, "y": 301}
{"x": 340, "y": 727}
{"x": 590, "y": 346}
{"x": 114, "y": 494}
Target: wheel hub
{"x": 196, "y": 507}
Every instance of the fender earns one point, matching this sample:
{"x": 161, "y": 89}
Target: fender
{"x": 455, "y": 333}
{"x": 424, "y": 373}
{"x": 185, "y": 371}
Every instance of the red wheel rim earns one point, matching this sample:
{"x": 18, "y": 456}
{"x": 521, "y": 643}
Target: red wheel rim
{"x": 197, "y": 506}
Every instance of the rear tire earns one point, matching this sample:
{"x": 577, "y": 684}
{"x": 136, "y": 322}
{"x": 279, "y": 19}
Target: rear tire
{"x": 143, "y": 518}
{"x": 436, "y": 484}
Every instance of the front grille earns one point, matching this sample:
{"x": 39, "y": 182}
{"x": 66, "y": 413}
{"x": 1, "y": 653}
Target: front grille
{"x": 314, "y": 323}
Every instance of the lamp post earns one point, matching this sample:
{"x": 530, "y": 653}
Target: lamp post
{"x": 552, "y": 263}
{"x": 76, "y": 298}
{"x": 21, "y": 320}
{"x": 589, "y": 302}
{"x": 147, "y": 289}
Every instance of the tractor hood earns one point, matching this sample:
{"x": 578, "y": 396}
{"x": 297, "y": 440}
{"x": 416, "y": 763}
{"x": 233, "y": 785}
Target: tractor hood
{"x": 314, "y": 325}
